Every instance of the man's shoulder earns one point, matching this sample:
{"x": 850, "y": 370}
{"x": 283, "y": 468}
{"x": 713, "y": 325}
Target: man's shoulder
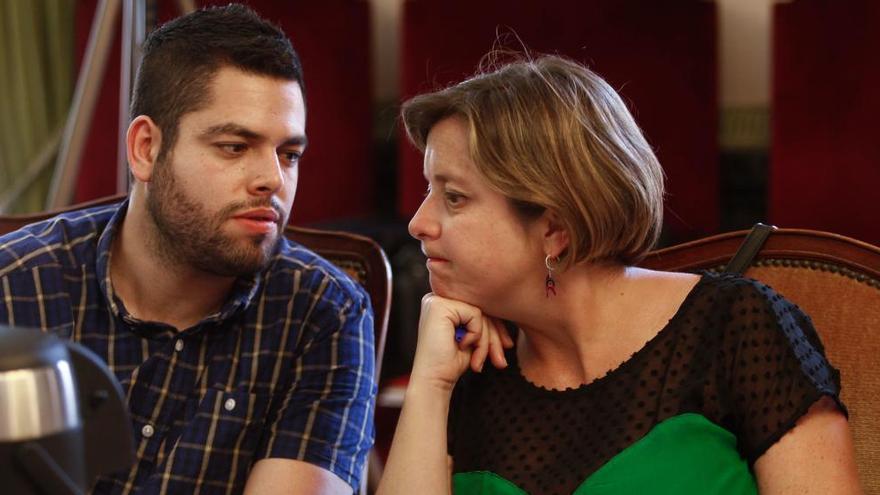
{"x": 295, "y": 263}
{"x": 54, "y": 241}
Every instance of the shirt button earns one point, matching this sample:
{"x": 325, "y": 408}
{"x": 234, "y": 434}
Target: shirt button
{"x": 178, "y": 346}
{"x": 230, "y": 404}
{"x": 147, "y": 431}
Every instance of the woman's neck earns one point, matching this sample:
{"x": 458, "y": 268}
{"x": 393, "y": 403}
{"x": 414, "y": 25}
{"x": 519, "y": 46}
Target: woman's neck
{"x": 600, "y": 317}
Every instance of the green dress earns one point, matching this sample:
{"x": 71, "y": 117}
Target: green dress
{"x": 690, "y": 412}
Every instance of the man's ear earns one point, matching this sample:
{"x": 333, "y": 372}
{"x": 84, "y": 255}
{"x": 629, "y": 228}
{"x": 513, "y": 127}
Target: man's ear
{"x": 143, "y": 142}
{"x": 556, "y": 238}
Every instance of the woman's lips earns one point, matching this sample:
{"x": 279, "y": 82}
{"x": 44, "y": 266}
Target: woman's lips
{"x": 432, "y": 261}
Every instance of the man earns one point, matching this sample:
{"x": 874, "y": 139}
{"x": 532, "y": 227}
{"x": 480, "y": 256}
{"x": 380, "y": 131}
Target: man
{"x": 246, "y": 360}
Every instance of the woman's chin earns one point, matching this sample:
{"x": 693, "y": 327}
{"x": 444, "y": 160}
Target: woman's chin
{"x": 444, "y": 290}
{"x": 440, "y": 290}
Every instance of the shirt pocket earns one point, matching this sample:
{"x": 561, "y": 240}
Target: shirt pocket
{"x": 217, "y": 445}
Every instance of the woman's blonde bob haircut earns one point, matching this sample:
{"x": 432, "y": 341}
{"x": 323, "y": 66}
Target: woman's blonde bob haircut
{"x": 551, "y": 135}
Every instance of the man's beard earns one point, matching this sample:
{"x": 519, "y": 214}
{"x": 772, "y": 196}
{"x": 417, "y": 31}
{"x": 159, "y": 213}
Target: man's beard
{"x": 188, "y": 235}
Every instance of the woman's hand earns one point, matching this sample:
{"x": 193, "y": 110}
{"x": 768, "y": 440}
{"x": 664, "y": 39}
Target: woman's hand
{"x": 440, "y": 360}
{"x": 418, "y": 461}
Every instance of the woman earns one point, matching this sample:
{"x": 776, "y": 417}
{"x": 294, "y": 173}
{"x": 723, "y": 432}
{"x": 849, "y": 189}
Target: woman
{"x": 542, "y": 196}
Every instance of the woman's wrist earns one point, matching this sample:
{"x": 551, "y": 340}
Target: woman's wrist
{"x": 429, "y": 386}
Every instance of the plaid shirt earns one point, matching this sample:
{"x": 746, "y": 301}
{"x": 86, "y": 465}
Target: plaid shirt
{"x": 284, "y": 369}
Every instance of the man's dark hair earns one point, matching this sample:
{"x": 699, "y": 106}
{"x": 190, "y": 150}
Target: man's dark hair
{"x": 181, "y": 57}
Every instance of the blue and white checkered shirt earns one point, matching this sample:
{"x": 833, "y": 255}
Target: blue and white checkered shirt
{"x": 284, "y": 369}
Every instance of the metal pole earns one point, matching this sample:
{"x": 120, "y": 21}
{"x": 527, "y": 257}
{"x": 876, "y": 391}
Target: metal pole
{"x": 133, "y": 34}
{"x": 88, "y": 84}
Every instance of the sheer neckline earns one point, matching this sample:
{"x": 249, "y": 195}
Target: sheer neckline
{"x": 513, "y": 362}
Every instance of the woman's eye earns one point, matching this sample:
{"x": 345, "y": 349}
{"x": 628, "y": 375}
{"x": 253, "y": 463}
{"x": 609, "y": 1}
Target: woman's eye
{"x": 454, "y": 199}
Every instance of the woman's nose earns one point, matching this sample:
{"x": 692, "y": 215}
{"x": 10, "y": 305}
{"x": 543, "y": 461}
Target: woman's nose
{"x": 423, "y": 225}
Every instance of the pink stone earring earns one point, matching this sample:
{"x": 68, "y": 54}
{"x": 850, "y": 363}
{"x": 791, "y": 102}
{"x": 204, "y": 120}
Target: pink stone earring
{"x": 549, "y": 283}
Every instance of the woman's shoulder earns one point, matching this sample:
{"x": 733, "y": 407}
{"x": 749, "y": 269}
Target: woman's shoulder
{"x": 659, "y": 280}
{"x": 735, "y": 297}
{"x": 707, "y": 280}
{"x": 718, "y": 289}
{"x": 729, "y": 309}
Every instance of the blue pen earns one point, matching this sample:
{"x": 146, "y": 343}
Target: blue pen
{"x": 460, "y": 332}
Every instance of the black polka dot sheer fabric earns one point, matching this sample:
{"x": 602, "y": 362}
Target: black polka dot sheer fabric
{"x": 735, "y": 352}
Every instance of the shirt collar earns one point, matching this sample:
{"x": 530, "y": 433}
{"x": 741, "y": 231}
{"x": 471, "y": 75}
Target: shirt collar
{"x": 243, "y": 293}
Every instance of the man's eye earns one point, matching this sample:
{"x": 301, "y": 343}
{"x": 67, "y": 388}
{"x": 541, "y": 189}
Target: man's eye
{"x": 291, "y": 157}
{"x": 233, "y": 148}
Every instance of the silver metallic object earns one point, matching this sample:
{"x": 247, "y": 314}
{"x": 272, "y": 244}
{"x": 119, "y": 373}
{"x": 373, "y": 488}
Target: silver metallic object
{"x": 37, "y": 402}
{"x": 63, "y": 418}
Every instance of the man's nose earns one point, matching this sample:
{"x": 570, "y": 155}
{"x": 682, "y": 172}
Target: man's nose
{"x": 268, "y": 174}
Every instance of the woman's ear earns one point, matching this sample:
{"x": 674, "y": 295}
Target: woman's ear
{"x": 143, "y": 142}
{"x": 556, "y": 239}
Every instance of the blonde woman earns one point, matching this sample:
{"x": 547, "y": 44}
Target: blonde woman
{"x": 604, "y": 378}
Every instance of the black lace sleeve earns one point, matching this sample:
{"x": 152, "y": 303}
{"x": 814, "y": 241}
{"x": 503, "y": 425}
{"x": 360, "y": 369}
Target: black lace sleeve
{"x": 775, "y": 366}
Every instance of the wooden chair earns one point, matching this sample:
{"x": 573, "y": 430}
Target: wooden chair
{"x": 360, "y": 257}
{"x": 834, "y": 279}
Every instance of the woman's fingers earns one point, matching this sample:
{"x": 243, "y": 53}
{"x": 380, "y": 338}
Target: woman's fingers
{"x": 481, "y": 350}
{"x": 506, "y": 340}
{"x": 472, "y": 336}
{"x": 486, "y": 340}
{"x": 496, "y": 349}
{"x": 452, "y": 331}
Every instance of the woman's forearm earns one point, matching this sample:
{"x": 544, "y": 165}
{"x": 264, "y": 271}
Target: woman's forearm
{"x": 417, "y": 462}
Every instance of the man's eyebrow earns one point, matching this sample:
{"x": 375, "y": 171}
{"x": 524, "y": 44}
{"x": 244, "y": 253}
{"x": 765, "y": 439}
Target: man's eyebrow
{"x": 300, "y": 140}
{"x": 230, "y": 128}
{"x": 244, "y": 132}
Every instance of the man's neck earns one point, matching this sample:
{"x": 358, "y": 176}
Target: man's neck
{"x": 155, "y": 288}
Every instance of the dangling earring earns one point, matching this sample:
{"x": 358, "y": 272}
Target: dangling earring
{"x": 549, "y": 283}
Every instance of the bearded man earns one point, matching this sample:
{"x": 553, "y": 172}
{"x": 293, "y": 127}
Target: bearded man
{"x": 246, "y": 360}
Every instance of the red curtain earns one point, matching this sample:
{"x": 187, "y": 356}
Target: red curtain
{"x": 825, "y": 156}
